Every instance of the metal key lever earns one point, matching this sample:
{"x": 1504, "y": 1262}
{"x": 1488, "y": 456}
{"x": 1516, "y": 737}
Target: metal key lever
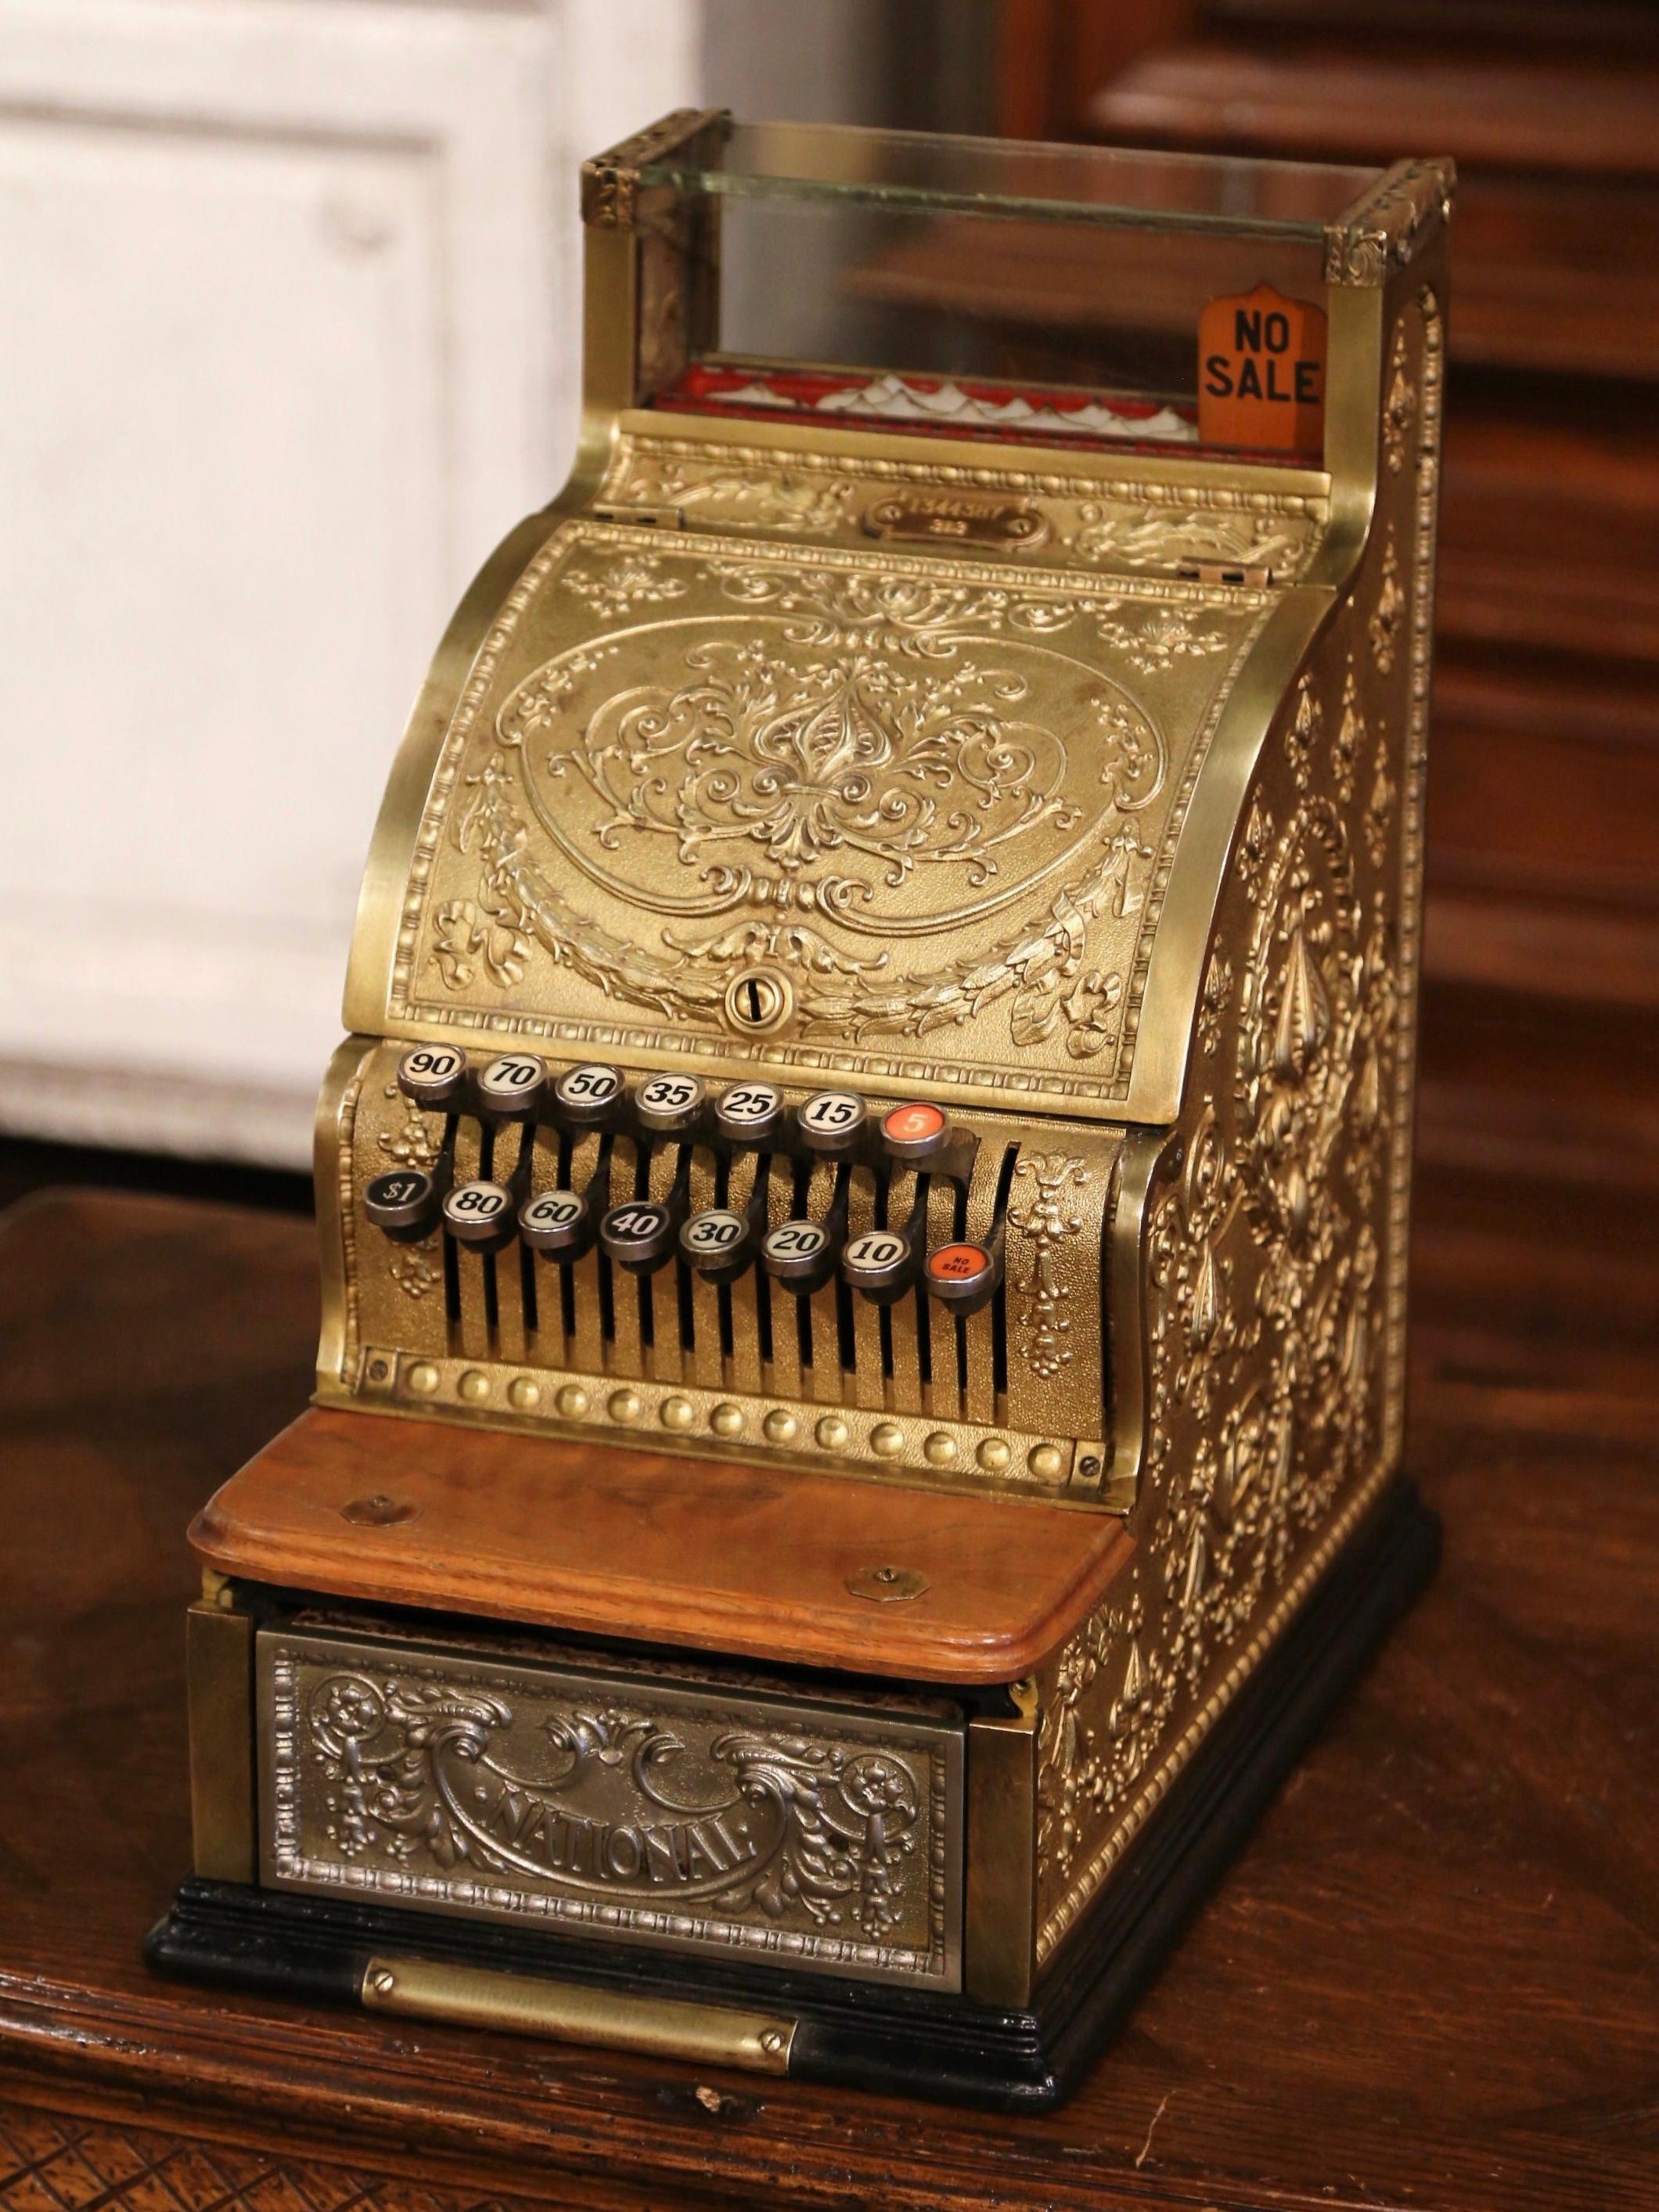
{"x": 431, "y": 1075}
{"x": 563, "y": 1224}
{"x": 965, "y": 1276}
{"x": 922, "y": 1135}
{"x": 587, "y": 1098}
{"x": 641, "y": 1233}
{"x": 669, "y": 1105}
{"x": 749, "y": 1114}
{"x": 884, "y": 1263}
{"x": 406, "y": 1204}
{"x": 511, "y": 1088}
{"x": 484, "y": 1215}
{"x": 480, "y": 1215}
{"x": 721, "y": 1242}
{"x": 801, "y": 1255}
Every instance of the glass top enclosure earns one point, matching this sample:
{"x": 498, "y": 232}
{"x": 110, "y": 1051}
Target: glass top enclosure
{"x": 1032, "y": 293}
{"x": 834, "y": 164}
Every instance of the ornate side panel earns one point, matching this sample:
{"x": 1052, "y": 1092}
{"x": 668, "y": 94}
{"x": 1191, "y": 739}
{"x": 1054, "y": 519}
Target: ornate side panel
{"x": 1275, "y": 1245}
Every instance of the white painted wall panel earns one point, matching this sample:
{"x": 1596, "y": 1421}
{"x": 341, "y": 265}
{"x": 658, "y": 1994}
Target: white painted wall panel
{"x": 288, "y": 333}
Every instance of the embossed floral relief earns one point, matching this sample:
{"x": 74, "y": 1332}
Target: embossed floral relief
{"x": 752, "y": 770}
{"x": 1159, "y": 536}
{"x": 868, "y": 731}
{"x": 624, "y": 585}
{"x": 1399, "y": 407}
{"x": 419, "y": 1770}
{"x": 1270, "y": 1356}
{"x": 1266, "y": 1318}
{"x": 1388, "y": 616}
{"x": 1040, "y": 1206}
{"x": 416, "y": 1142}
{"x": 416, "y": 1269}
{"x": 770, "y": 499}
{"x": 1349, "y": 739}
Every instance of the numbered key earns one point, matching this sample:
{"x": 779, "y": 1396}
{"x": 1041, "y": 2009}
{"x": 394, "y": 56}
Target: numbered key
{"x": 639, "y": 1234}
{"x": 799, "y": 1255}
{"x": 749, "y": 1113}
{"x": 431, "y": 1075}
{"x": 879, "y": 1261}
{"x": 963, "y": 1276}
{"x": 585, "y": 1098}
{"x": 668, "y": 1105}
{"x": 832, "y": 1120}
{"x": 915, "y": 1134}
{"x": 510, "y": 1088}
{"x": 718, "y": 1243}
{"x": 559, "y": 1223}
{"x": 480, "y": 1215}
{"x": 403, "y": 1202}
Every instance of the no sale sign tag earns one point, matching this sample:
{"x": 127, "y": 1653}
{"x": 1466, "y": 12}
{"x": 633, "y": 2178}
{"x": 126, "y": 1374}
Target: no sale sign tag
{"x": 1262, "y": 372}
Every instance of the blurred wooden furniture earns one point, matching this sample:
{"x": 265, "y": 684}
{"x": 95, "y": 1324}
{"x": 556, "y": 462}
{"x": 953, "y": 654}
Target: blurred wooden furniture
{"x": 1429, "y": 1980}
{"x": 1543, "y": 890}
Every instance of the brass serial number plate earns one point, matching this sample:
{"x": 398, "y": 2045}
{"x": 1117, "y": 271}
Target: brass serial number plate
{"x": 613, "y": 1804}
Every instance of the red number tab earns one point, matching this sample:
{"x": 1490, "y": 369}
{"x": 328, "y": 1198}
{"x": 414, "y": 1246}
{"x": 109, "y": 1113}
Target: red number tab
{"x": 910, "y": 1125}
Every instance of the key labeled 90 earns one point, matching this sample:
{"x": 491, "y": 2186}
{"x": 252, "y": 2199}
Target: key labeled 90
{"x": 431, "y": 1075}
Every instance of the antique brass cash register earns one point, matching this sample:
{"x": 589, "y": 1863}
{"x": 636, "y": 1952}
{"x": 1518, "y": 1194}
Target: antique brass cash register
{"x": 864, "y": 1207}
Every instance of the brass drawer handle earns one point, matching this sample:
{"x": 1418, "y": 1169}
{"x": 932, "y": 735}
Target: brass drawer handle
{"x": 521, "y": 2004}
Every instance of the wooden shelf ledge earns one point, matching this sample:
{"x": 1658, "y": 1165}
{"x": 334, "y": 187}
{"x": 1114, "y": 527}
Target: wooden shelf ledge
{"x": 653, "y": 1548}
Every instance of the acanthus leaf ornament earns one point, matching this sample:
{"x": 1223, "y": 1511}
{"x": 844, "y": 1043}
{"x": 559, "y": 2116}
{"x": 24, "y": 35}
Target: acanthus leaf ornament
{"x": 1038, "y": 1207}
{"x": 623, "y": 587}
{"x": 1157, "y": 536}
{"x": 760, "y": 773}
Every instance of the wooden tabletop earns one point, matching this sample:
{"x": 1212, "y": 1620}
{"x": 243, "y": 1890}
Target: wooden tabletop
{"x": 1431, "y": 1982}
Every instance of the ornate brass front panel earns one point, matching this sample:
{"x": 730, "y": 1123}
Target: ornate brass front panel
{"x": 931, "y": 802}
{"x": 619, "y": 1804}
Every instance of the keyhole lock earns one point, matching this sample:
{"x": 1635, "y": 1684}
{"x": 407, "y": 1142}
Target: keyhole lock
{"x": 758, "y": 1000}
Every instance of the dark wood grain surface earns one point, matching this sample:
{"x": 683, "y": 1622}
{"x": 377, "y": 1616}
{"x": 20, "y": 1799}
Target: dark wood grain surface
{"x": 1431, "y": 1981}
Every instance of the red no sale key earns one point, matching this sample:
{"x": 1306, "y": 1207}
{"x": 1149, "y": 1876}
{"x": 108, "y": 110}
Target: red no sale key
{"x": 957, "y": 1263}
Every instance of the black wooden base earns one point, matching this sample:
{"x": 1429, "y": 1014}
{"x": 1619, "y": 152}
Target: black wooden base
{"x": 889, "y": 2038}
